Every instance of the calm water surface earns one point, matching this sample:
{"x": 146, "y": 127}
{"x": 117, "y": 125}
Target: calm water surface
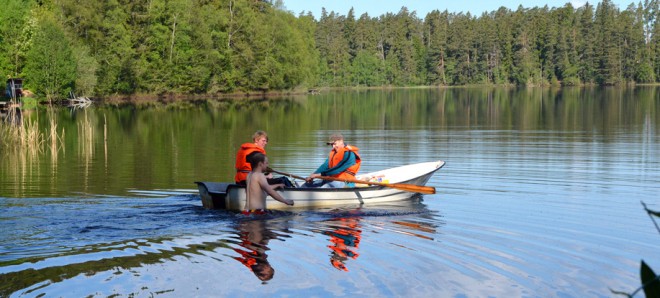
{"x": 540, "y": 197}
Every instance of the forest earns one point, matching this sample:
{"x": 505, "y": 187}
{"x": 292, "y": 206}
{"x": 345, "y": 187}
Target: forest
{"x": 128, "y": 47}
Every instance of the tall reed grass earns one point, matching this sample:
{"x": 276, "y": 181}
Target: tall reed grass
{"x": 86, "y": 138}
{"x": 25, "y": 135}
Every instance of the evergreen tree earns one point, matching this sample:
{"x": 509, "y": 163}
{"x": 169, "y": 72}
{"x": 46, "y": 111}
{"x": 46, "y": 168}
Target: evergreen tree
{"x": 587, "y": 45}
{"x": 566, "y": 50}
{"x": 435, "y": 39}
{"x": 504, "y": 23}
{"x": 333, "y": 46}
{"x": 645, "y": 15}
{"x": 608, "y": 52}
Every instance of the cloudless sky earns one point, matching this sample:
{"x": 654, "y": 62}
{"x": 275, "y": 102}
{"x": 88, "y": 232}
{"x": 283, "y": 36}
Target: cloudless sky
{"x": 376, "y": 8}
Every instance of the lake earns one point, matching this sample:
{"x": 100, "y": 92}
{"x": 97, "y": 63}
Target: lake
{"x": 540, "y": 197}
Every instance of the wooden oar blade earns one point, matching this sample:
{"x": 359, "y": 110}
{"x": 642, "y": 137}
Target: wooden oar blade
{"x": 428, "y": 190}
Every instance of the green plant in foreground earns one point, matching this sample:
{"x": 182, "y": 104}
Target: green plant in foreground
{"x": 650, "y": 280}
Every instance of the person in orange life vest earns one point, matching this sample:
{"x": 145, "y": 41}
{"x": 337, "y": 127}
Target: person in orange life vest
{"x": 260, "y": 140}
{"x": 343, "y": 162}
{"x": 244, "y": 154}
{"x": 257, "y": 187}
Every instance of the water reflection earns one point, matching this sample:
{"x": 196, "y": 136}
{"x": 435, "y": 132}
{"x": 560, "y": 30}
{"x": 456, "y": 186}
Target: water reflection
{"x": 345, "y": 240}
{"x": 254, "y": 235}
{"x": 109, "y": 149}
{"x": 518, "y": 159}
{"x": 12, "y": 115}
{"x": 127, "y": 267}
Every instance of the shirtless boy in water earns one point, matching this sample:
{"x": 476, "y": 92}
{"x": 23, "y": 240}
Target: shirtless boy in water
{"x": 257, "y": 187}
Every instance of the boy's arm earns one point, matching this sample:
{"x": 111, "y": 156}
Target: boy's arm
{"x": 317, "y": 173}
{"x": 322, "y": 168}
{"x": 270, "y": 190}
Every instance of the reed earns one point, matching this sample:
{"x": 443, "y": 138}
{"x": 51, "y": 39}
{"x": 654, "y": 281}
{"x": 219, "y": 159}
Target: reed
{"x": 32, "y": 140}
{"x": 86, "y": 138}
{"x": 56, "y": 140}
{"x": 25, "y": 135}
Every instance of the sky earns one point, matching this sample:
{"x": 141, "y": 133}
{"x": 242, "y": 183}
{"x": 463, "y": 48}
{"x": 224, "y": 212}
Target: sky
{"x": 379, "y": 7}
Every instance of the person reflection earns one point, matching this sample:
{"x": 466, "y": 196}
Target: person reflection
{"x": 345, "y": 239}
{"x": 254, "y": 236}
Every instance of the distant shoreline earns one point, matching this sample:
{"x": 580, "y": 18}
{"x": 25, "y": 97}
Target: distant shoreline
{"x": 173, "y": 97}
{"x": 167, "y": 97}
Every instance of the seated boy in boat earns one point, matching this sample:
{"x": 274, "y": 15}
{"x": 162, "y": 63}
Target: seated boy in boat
{"x": 244, "y": 154}
{"x": 343, "y": 162}
{"x": 257, "y": 187}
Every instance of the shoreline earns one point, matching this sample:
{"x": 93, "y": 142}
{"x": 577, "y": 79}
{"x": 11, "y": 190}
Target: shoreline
{"x": 238, "y": 95}
{"x": 170, "y": 97}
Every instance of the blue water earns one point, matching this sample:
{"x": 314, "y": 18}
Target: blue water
{"x": 535, "y": 212}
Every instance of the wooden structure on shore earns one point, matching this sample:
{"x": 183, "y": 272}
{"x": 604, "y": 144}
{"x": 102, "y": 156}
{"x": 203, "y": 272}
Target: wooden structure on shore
{"x": 14, "y": 89}
{"x": 11, "y": 101}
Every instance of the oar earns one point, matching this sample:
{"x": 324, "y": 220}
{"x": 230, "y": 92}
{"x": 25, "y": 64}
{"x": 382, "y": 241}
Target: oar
{"x": 399, "y": 186}
{"x": 285, "y": 174}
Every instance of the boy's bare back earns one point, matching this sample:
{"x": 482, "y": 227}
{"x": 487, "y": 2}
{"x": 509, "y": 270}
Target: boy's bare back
{"x": 255, "y": 192}
{"x": 258, "y": 188}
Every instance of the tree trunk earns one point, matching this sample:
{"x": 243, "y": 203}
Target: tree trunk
{"x": 173, "y": 34}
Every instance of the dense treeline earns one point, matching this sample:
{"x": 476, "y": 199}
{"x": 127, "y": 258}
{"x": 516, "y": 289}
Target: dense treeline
{"x": 588, "y": 45}
{"x": 155, "y": 46}
{"x": 209, "y": 46}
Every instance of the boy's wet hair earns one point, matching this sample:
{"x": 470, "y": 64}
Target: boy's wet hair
{"x": 255, "y": 158}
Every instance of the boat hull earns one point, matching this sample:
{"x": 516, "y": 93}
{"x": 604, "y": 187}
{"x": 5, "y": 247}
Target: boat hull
{"x": 229, "y": 196}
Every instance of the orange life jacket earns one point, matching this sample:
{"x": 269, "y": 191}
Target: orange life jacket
{"x": 242, "y": 166}
{"x": 335, "y": 157}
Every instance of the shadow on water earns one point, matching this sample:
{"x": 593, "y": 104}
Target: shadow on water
{"x": 121, "y": 235}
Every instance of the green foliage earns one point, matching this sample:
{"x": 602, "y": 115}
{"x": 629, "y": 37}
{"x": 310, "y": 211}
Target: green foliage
{"x": 207, "y": 46}
{"x": 86, "y": 67}
{"x": 366, "y": 70}
{"x": 50, "y": 69}
{"x": 645, "y": 73}
{"x": 29, "y": 103}
{"x": 15, "y": 31}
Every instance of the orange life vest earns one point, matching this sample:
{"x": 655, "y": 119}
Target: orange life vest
{"x": 335, "y": 158}
{"x": 242, "y": 166}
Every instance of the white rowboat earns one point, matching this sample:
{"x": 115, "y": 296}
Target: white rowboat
{"x": 217, "y": 195}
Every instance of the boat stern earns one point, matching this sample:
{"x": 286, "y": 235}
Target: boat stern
{"x": 213, "y": 194}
